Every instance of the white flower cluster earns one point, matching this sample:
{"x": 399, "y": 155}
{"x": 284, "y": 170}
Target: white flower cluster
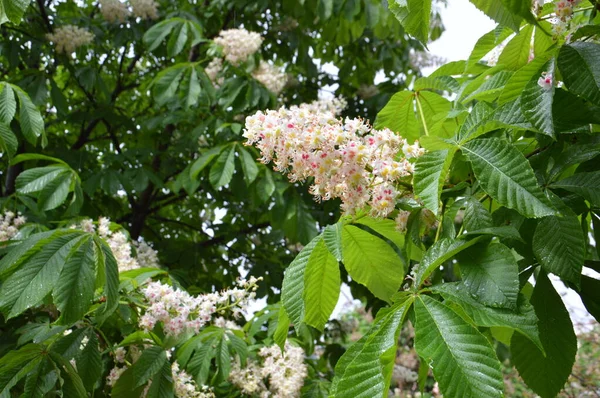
{"x": 285, "y": 373}
{"x": 114, "y": 10}
{"x": 546, "y": 81}
{"x": 213, "y": 70}
{"x": 346, "y": 159}
{"x": 9, "y": 225}
{"x": 180, "y": 312}
{"x": 238, "y": 44}
{"x": 333, "y": 105}
{"x": 563, "y": 9}
{"x": 270, "y": 76}
{"x": 121, "y": 247}
{"x": 145, "y": 9}
{"x": 69, "y": 38}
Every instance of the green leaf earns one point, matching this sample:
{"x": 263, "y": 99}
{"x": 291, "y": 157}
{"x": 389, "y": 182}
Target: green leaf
{"x": 477, "y": 123}
{"x": 491, "y": 88}
{"x": 292, "y": 290}
{"x": 505, "y": 174}
{"x": 516, "y": 84}
{"x": 249, "y": 166}
{"x": 490, "y": 274}
{"x": 586, "y": 185}
{"x": 431, "y": 171}
{"x": 162, "y": 383}
{"x": 55, "y": 192}
{"x": 204, "y": 160}
{"x": 372, "y": 262}
{"x": 463, "y": 362}
{"x": 149, "y": 364}
{"x": 498, "y": 12}
{"x": 30, "y": 117}
{"x": 74, "y": 290}
{"x": 476, "y": 216}
{"x": 487, "y": 43}
{"x": 365, "y": 369}
{"x": 579, "y": 67}
{"x": 536, "y": 102}
{"x": 40, "y": 381}
{"x": 16, "y": 364}
{"x": 414, "y": 16}
{"x": 124, "y": 387}
{"x": 194, "y": 89}
{"x": 590, "y": 295}
{"x": 440, "y": 252}
{"x": 283, "y": 328}
{"x": 8, "y": 140}
{"x": 321, "y": 286}
{"x": 166, "y": 82}
{"x": 315, "y": 388}
{"x": 332, "y": 236}
{"x": 12, "y": 10}
{"x": 36, "y": 179}
{"x": 89, "y": 362}
{"x": 37, "y": 276}
{"x": 510, "y": 114}
{"x": 559, "y": 244}
{"x": 222, "y": 170}
{"x": 8, "y": 105}
{"x": 108, "y": 275}
{"x": 157, "y": 33}
{"x": 546, "y": 375}
{"x": 177, "y": 40}
{"x": 520, "y": 8}
{"x": 72, "y": 384}
{"x": 523, "y": 320}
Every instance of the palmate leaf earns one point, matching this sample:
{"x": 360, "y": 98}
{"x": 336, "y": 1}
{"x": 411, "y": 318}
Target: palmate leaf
{"x": 365, "y": 369}
{"x": 559, "y": 244}
{"x": 498, "y": 12}
{"x": 505, "y": 174}
{"x": 487, "y": 43}
{"x": 546, "y": 375}
{"x": 490, "y": 274}
{"x": 222, "y": 170}
{"x": 523, "y": 319}
{"x": 583, "y": 184}
{"x": 321, "y": 286}
{"x": 431, "y": 170}
{"x": 32, "y": 123}
{"x": 16, "y": 364}
{"x": 578, "y": 64}
{"x": 463, "y": 362}
{"x": 414, "y": 16}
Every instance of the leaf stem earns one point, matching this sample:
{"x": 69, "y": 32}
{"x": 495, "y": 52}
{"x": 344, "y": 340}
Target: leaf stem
{"x": 421, "y": 114}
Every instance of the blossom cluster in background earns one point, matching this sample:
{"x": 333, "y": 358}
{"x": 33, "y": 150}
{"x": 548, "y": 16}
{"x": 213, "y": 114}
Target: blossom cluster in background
{"x": 114, "y": 10}
{"x": 121, "y": 246}
{"x": 285, "y": 373}
{"x": 238, "y": 45}
{"x": 145, "y": 9}
{"x": 9, "y": 225}
{"x": 179, "y": 312}
{"x": 69, "y": 38}
{"x": 347, "y": 159}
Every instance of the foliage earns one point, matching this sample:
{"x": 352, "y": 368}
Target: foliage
{"x": 473, "y": 182}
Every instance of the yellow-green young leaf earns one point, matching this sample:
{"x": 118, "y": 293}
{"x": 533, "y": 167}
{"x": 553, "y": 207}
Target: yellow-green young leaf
{"x": 463, "y": 362}
{"x": 546, "y": 375}
{"x": 479, "y": 121}
{"x": 490, "y": 274}
{"x": 536, "y": 102}
{"x": 411, "y": 114}
{"x": 498, "y": 12}
{"x": 386, "y": 228}
{"x": 505, "y": 174}
{"x": 487, "y": 43}
{"x": 580, "y": 69}
{"x": 365, "y": 369}
{"x": 292, "y": 289}
{"x": 440, "y": 252}
{"x": 372, "y": 262}
{"x": 491, "y": 88}
{"x": 586, "y": 185}
{"x": 516, "y": 84}
{"x": 8, "y": 105}
{"x": 283, "y": 328}
{"x": 16, "y": 364}
{"x": 35, "y": 278}
{"x": 523, "y": 319}
{"x": 516, "y": 53}
{"x": 431, "y": 171}
{"x": 414, "y": 16}
{"x": 559, "y": 243}
{"x": 321, "y": 286}
{"x": 520, "y": 8}
{"x": 222, "y": 170}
